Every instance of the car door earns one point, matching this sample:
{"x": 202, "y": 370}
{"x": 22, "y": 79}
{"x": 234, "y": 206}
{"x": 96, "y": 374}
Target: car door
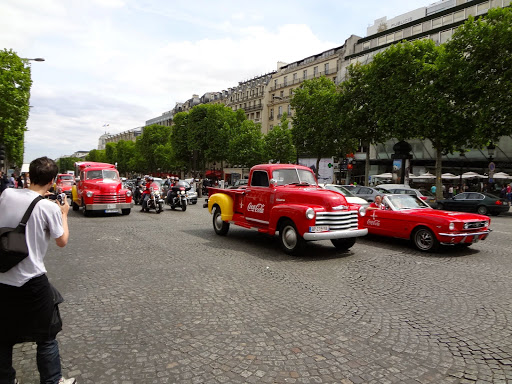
{"x": 473, "y": 200}
{"x": 257, "y": 199}
{"x": 380, "y": 222}
{"x": 457, "y": 203}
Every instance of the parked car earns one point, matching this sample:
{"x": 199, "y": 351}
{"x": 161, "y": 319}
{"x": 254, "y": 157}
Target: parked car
{"x": 351, "y": 198}
{"x": 408, "y": 217}
{"x": 482, "y": 203}
{"x": 367, "y": 193}
{"x": 404, "y": 189}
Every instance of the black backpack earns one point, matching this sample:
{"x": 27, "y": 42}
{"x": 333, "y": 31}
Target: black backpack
{"x": 13, "y": 245}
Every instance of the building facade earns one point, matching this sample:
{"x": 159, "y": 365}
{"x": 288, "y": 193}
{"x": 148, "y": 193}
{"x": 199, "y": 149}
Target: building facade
{"x": 438, "y": 23}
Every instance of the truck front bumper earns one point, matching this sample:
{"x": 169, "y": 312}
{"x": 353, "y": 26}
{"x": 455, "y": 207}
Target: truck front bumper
{"x": 104, "y": 207}
{"x": 335, "y": 234}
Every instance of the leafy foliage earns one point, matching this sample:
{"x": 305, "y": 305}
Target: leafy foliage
{"x": 246, "y": 145}
{"x": 67, "y": 163}
{"x": 15, "y": 84}
{"x": 278, "y": 143}
{"x": 97, "y": 155}
{"x": 149, "y": 147}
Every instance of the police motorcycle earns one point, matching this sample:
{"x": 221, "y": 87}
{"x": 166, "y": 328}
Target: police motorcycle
{"x": 177, "y": 195}
{"x": 154, "y": 201}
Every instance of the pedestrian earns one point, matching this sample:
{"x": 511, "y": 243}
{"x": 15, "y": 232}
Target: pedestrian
{"x": 433, "y": 189}
{"x": 509, "y": 192}
{"x": 19, "y": 181}
{"x": 28, "y": 301}
{"x": 12, "y": 181}
{"x": 450, "y": 191}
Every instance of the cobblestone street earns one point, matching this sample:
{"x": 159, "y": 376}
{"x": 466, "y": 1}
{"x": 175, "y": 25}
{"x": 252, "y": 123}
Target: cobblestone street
{"x": 162, "y": 299}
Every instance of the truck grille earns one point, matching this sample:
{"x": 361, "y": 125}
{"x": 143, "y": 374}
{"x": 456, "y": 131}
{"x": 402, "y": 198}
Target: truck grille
{"x": 109, "y": 199}
{"x": 474, "y": 225}
{"x": 337, "y": 220}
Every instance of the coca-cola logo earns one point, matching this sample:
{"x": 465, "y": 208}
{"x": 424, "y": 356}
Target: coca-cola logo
{"x": 375, "y": 223}
{"x": 258, "y": 208}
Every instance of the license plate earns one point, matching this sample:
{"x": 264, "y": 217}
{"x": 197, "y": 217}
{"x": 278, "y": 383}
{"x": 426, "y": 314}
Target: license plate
{"x": 111, "y": 210}
{"x": 476, "y": 239}
{"x": 319, "y": 228}
{"x": 111, "y": 206}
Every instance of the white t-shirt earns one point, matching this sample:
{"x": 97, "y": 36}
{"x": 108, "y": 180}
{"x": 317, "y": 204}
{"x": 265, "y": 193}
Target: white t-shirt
{"x": 44, "y": 222}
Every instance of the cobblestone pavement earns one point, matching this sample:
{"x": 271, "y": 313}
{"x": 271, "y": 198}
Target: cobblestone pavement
{"x": 162, "y": 299}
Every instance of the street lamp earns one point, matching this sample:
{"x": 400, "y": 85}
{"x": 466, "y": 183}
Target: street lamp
{"x": 491, "y": 150}
{"x": 36, "y": 59}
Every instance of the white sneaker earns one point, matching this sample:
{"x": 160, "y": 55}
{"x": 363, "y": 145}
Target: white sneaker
{"x": 67, "y": 381}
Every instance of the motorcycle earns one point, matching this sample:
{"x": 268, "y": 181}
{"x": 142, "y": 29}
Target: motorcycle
{"x": 177, "y": 196}
{"x": 155, "y": 200}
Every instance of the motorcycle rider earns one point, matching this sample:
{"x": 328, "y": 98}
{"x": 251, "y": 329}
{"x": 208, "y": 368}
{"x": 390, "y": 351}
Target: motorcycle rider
{"x": 137, "y": 190}
{"x": 172, "y": 194}
{"x": 146, "y": 193}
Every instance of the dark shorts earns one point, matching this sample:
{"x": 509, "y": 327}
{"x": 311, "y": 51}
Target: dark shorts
{"x": 30, "y": 312}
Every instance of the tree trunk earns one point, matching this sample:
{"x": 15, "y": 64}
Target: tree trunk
{"x": 439, "y": 171}
{"x": 367, "y": 166}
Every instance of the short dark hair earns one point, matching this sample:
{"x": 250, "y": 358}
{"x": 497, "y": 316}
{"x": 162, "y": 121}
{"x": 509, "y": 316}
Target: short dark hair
{"x": 42, "y": 171}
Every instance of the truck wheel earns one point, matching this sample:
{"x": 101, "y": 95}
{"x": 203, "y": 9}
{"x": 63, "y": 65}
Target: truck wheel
{"x": 86, "y": 212}
{"x": 291, "y": 241}
{"x": 220, "y": 227}
{"x": 126, "y": 211}
{"x": 425, "y": 240}
{"x": 343, "y": 244}
{"x": 75, "y": 206}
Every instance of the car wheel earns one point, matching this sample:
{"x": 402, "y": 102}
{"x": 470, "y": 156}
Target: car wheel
{"x": 343, "y": 244}
{"x": 75, "y": 206}
{"x": 425, "y": 240}
{"x": 291, "y": 241}
{"x": 219, "y": 226}
{"x": 126, "y": 211}
{"x": 482, "y": 210}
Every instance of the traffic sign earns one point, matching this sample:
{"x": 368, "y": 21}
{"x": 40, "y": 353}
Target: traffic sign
{"x": 492, "y": 166}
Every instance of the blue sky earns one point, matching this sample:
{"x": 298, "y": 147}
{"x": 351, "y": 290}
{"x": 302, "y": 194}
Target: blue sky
{"x": 122, "y": 62}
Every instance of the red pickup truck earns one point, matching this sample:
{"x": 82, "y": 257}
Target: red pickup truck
{"x": 285, "y": 198}
{"x": 99, "y": 188}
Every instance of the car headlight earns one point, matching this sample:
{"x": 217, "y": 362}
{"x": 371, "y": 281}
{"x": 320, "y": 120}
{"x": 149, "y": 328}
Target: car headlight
{"x": 362, "y": 211}
{"x": 310, "y": 213}
{"x": 466, "y": 225}
{"x": 128, "y": 193}
{"x": 451, "y": 227}
{"x": 88, "y": 194}
{"x": 486, "y": 223}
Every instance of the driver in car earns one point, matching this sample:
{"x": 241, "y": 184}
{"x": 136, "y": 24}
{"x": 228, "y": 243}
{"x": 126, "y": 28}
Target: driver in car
{"x": 377, "y": 204}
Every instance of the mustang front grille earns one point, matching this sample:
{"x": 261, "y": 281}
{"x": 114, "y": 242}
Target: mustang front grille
{"x": 337, "y": 220}
{"x": 474, "y": 225}
{"x": 109, "y": 199}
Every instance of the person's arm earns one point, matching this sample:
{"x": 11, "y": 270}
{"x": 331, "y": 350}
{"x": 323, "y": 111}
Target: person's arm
{"x": 63, "y": 240}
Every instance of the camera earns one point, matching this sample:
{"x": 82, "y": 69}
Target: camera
{"x": 60, "y": 197}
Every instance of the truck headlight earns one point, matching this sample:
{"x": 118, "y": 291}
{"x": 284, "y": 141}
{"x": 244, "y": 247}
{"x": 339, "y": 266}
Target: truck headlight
{"x": 310, "y": 213}
{"x": 128, "y": 193}
{"x": 88, "y": 194}
{"x": 451, "y": 226}
{"x": 362, "y": 211}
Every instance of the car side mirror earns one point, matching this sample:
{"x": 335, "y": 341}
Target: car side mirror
{"x": 273, "y": 183}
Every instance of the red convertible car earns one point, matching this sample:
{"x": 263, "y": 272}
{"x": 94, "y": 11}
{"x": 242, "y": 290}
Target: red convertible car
{"x": 408, "y": 217}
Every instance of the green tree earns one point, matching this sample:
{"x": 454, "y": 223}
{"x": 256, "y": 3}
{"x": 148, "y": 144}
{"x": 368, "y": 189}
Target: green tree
{"x": 209, "y": 129}
{"x": 413, "y": 98}
{"x": 246, "y": 145}
{"x": 278, "y": 143}
{"x": 479, "y": 60}
{"x": 181, "y": 152}
{"x": 147, "y": 145}
{"x": 97, "y": 155}
{"x": 110, "y": 153}
{"x": 15, "y": 84}
{"x": 125, "y": 153}
{"x": 357, "y": 108}
{"x": 316, "y": 121}
{"x": 67, "y": 164}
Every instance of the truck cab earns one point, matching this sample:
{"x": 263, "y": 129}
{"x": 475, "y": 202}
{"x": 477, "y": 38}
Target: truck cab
{"x": 286, "y": 199}
{"x": 99, "y": 188}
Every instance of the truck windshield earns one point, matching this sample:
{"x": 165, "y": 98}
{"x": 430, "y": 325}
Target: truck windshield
{"x": 102, "y": 174}
{"x": 294, "y": 176}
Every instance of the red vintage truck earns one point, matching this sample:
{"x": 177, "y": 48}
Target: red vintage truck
{"x": 99, "y": 188}
{"x": 285, "y": 198}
